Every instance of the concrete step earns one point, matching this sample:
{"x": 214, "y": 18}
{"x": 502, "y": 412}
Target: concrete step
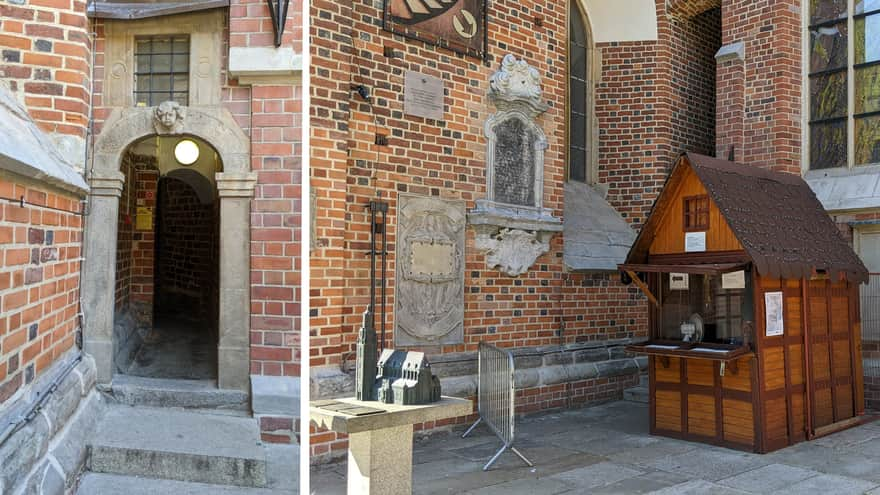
{"x": 636, "y": 394}
{"x": 114, "y": 484}
{"x": 173, "y": 444}
{"x": 164, "y": 392}
{"x": 639, "y": 393}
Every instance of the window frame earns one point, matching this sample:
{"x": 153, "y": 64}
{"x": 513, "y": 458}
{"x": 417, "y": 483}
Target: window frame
{"x": 851, "y": 117}
{"x": 153, "y": 74}
{"x": 591, "y": 172}
{"x": 699, "y": 200}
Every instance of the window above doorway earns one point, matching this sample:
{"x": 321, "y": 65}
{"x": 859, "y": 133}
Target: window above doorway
{"x": 161, "y": 69}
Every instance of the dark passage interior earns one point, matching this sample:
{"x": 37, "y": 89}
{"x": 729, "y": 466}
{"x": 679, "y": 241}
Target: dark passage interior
{"x": 167, "y": 280}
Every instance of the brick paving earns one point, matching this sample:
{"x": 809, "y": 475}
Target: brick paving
{"x": 607, "y": 450}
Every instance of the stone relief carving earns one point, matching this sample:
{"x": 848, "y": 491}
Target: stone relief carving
{"x": 168, "y": 118}
{"x": 511, "y": 224}
{"x": 513, "y": 251}
{"x": 517, "y": 86}
{"x": 429, "y": 289}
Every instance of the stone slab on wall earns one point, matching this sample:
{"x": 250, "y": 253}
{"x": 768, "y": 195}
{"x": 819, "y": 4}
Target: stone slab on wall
{"x": 429, "y": 289}
{"x": 47, "y": 454}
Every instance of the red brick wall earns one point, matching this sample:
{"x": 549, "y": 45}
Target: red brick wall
{"x": 135, "y": 247}
{"x": 125, "y": 234}
{"x": 40, "y": 257}
{"x": 275, "y": 128}
{"x": 761, "y": 107}
{"x": 653, "y": 100}
{"x": 186, "y": 277}
{"x": 44, "y": 55}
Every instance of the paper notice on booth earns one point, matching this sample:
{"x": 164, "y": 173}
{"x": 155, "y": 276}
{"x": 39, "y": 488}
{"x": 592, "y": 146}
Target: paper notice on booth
{"x": 773, "y": 313}
{"x": 733, "y": 280}
{"x": 694, "y": 242}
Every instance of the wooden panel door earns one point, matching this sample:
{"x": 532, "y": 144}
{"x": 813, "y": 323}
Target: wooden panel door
{"x": 841, "y": 351}
{"x": 831, "y": 352}
{"x": 820, "y": 354}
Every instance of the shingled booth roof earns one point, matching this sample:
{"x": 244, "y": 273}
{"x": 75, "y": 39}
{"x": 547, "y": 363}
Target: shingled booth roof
{"x": 775, "y": 216}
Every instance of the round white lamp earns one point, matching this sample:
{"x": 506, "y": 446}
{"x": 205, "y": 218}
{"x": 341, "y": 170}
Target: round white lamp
{"x": 186, "y": 152}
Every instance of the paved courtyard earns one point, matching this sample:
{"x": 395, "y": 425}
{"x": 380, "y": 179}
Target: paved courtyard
{"x": 607, "y": 450}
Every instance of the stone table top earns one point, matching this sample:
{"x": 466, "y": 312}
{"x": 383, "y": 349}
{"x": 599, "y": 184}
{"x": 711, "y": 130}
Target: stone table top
{"x": 391, "y": 415}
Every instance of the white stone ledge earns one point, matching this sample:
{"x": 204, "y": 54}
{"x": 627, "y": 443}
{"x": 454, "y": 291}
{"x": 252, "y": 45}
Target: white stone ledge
{"x": 265, "y": 65}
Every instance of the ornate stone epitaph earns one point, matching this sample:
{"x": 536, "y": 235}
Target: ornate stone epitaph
{"x": 511, "y": 224}
{"x": 429, "y": 288}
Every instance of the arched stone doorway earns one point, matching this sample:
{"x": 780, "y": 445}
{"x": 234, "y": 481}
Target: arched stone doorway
{"x": 235, "y": 187}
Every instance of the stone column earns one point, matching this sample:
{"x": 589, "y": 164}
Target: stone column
{"x": 99, "y": 270}
{"x": 233, "y": 363}
{"x": 380, "y": 461}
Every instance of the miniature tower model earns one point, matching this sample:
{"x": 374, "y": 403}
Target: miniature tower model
{"x": 367, "y": 355}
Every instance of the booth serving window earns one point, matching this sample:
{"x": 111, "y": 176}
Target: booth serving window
{"x": 703, "y": 308}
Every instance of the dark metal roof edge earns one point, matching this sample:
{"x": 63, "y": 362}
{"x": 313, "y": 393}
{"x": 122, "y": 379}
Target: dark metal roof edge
{"x": 131, "y": 11}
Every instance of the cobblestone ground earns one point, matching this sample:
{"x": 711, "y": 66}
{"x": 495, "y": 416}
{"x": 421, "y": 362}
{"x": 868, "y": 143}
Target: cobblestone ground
{"x": 607, "y": 450}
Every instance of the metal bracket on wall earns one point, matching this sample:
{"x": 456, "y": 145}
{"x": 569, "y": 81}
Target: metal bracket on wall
{"x": 278, "y": 12}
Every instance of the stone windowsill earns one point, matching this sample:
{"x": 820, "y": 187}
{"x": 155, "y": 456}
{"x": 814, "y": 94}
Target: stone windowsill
{"x": 844, "y": 189}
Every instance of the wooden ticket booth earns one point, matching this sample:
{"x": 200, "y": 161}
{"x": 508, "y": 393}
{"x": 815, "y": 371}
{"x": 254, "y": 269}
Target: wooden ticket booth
{"x": 754, "y": 309}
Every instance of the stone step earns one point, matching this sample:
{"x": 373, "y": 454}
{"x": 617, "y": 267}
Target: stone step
{"x": 179, "y": 445}
{"x": 114, "y": 484}
{"x": 639, "y": 393}
{"x": 188, "y": 394}
{"x": 636, "y": 394}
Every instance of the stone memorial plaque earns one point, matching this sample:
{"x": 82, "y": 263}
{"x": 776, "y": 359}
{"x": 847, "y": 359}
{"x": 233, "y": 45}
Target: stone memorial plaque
{"x": 423, "y": 96}
{"x": 429, "y": 288}
{"x": 514, "y": 162}
{"x": 432, "y": 258}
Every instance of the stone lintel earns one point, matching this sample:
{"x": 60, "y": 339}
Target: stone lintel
{"x": 264, "y": 65}
{"x": 236, "y": 185}
{"x": 731, "y": 52}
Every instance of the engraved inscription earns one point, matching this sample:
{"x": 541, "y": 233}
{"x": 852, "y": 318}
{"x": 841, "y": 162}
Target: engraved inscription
{"x": 515, "y": 162}
{"x": 423, "y": 96}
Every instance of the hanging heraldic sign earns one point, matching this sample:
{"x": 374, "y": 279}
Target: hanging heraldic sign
{"x": 694, "y": 242}
{"x": 423, "y": 96}
{"x": 773, "y": 313}
{"x": 459, "y": 25}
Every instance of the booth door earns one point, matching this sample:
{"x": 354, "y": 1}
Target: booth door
{"x": 831, "y": 349}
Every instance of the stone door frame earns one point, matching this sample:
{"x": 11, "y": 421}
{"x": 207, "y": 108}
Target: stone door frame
{"x": 216, "y": 126}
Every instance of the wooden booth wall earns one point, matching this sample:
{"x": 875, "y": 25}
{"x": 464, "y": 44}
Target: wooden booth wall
{"x": 760, "y": 404}
{"x": 830, "y": 323}
{"x": 692, "y": 401}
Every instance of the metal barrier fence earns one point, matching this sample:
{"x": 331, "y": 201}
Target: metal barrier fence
{"x": 496, "y": 395}
{"x": 870, "y": 308}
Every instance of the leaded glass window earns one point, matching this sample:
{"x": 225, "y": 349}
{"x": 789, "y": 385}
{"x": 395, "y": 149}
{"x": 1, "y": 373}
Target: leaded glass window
{"x": 161, "y": 70}
{"x": 579, "y": 127}
{"x": 844, "y": 80}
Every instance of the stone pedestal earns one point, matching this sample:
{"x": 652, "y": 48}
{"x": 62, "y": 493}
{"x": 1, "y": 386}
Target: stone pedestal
{"x": 380, "y": 439}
